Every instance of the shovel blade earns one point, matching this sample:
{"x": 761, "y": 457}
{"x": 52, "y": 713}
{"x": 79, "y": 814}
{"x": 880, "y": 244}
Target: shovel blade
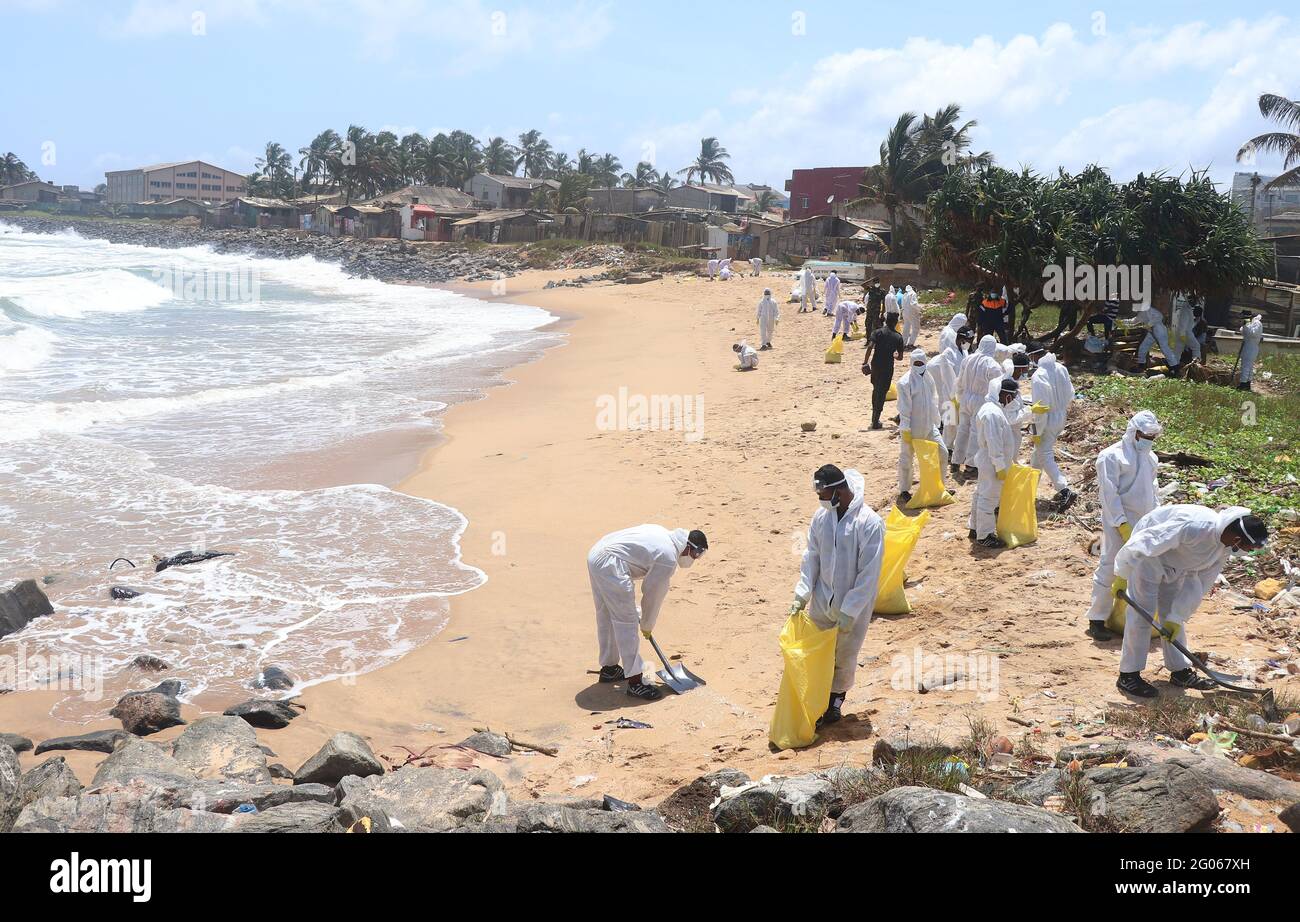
{"x": 680, "y": 679}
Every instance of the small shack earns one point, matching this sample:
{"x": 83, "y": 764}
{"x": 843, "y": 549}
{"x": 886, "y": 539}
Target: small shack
{"x": 823, "y": 237}
{"x": 503, "y": 226}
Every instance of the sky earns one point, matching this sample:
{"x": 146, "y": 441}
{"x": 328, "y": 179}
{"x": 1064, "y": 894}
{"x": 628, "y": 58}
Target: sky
{"x": 1135, "y": 87}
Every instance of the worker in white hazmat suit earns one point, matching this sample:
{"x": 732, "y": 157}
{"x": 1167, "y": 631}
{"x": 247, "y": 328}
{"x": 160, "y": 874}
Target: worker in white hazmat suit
{"x": 944, "y": 369}
{"x": 769, "y": 312}
{"x": 651, "y": 554}
{"x": 1157, "y": 334}
{"x": 1170, "y": 564}
{"x": 948, "y": 335}
{"x": 845, "y": 314}
{"x": 911, "y": 318}
{"x": 840, "y": 572}
{"x": 918, "y": 418}
{"x": 1252, "y": 334}
{"x": 724, "y": 273}
{"x": 713, "y": 269}
{"x": 747, "y": 354}
{"x": 995, "y": 452}
{"x": 1018, "y": 415}
{"x": 831, "y": 293}
{"x": 807, "y": 290}
{"x": 756, "y": 264}
{"x": 977, "y": 371}
{"x": 1052, "y": 392}
{"x": 1184, "y": 330}
{"x": 1126, "y": 491}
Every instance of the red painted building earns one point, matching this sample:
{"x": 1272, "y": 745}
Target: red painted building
{"x": 810, "y": 190}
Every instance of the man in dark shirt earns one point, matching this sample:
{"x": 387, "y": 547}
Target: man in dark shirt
{"x": 875, "y": 301}
{"x": 885, "y": 345}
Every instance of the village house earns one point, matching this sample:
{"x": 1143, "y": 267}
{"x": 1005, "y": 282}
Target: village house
{"x": 503, "y": 226}
{"x": 427, "y": 212}
{"x": 707, "y": 197}
{"x": 192, "y": 179}
{"x": 626, "y": 201}
{"x": 814, "y": 191}
{"x": 170, "y": 209}
{"x": 823, "y": 237}
{"x": 505, "y": 191}
{"x": 32, "y": 191}
{"x": 252, "y": 211}
{"x": 364, "y": 221}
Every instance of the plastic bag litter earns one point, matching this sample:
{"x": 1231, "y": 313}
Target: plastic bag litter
{"x": 1118, "y": 616}
{"x": 930, "y": 492}
{"x": 809, "y": 655}
{"x": 1017, "y": 516}
{"x": 836, "y": 352}
{"x": 901, "y": 534}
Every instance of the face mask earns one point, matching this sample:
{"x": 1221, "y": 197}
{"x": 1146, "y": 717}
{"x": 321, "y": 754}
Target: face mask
{"x": 686, "y": 561}
{"x": 827, "y": 503}
{"x": 1145, "y": 445}
{"x": 919, "y": 369}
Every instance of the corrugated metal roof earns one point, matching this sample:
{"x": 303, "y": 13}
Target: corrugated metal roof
{"x": 257, "y": 202}
{"x": 437, "y": 196}
{"x": 520, "y": 182}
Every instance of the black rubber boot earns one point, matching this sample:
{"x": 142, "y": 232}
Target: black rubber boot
{"x": 1187, "y": 678}
{"x": 991, "y": 541}
{"x": 1132, "y": 683}
{"x": 1097, "y": 630}
{"x": 612, "y": 674}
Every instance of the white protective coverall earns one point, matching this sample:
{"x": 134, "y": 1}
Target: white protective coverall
{"x": 995, "y": 450}
{"x": 840, "y": 574}
{"x": 918, "y": 418}
{"x": 911, "y": 317}
{"x": 948, "y": 335}
{"x": 757, "y": 265}
{"x": 769, "y": 312}
{"x": 1017, "y": 415}
{"x": 748, "y": 356}
{"x": 845, "y": 314}
{"x": 1157, "y": 334}
{"x": 650, "y": 553}
{"x": 944, "y": 369}
{"x": 807, "y": 290}
{"x": 713, "y": 268}
{"x": 1170, "y": 563}
{"x": 831, "y": 293}
{"x": 977, "y": 371}
{"x": 1126, "y": 490}
{"x": 1051, "y": 387}
{"x": 1185, "y": 330}
{"x": 1252, "y": 334}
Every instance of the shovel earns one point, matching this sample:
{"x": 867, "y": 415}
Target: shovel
{"x": 1266, "y": 694}
{"x": 678, "y": 678}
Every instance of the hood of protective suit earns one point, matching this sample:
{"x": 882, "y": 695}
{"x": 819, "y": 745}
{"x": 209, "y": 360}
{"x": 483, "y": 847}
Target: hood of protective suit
{"x": 858, "y": 484}
{"x": 988, "y": 346}
{"x": 995, "y": 391}
{"x": 1230, "y": 515}
{"x": 1143, "y": 421}
{"x": 679, "y": 538}
{"x": 957, "y": 322}
{"x": 1048, "y": 362}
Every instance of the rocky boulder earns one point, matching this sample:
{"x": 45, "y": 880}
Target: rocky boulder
{"x": 274, "y": 678}
{"x": 1221, "y": 774}
{"x": 222, "y": 747}
{"x": 345, "y": 754}
{"x": 139, "y": 759}
{"x": 21, "y": 605}
{"x": 264, "y": 713}
{"x": 146, "y": 712}
{"x": 802, "y": 801}
{"x": 10, "y": 775}
{"x": 1164, "y": 797}
{"x": 541, "y": 817}
{"x": 305, "y": 816}
{"x": 15, "y": 742}
{"x": 425, "y": 799}
{"x": 488, "y": 743}
{"x": 913, "y": 809}
{"x": 96, "y": 741}
{"x": 115, "y": 809}
{"x": 52, "y": 778}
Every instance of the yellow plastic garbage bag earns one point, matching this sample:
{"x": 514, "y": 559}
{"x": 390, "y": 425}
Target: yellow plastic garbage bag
{"x": 836, "y": 352}
{"x": 901, "y": 534}
{"x": 1017, "y": 517}
{"x": 893, "y": 391}
{"x": 809, "y": 654}
{"x": 931, "y": 492}
{"x": 1119, "y": 611}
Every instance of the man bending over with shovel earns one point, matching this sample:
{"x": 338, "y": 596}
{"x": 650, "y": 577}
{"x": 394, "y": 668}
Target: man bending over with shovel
{"x": 841, "y": 572}
{"x": 652, "y": 554}
{"x": 1170, "y": 563}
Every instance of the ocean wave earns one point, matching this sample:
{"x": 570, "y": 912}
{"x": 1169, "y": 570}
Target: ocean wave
{"x": 23, "y": 347}
{"x": 73, "y": 296}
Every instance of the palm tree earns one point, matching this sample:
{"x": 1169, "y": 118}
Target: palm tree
{"x": 1285, "y": 143}
{"x": 605, "y": 169}
{"x": 765, "y": 202}
{"x": 466, "y": 158}
{"x": 315, "y": 157}
{"x": 586, "y": 163}
{"x": 570, "y": 198}
{"x": 665, "y": 183}
{"x": 411, "y": 156}
{"x": 560, "y": 164}
{"x": 499, "y": 157}
{"x": 12, "y": 169}
{"x": 534, "y": 153}
{"x": 709, "y": 164}
{"x": 276, "y": 165}
{"x": 644, "y": 175}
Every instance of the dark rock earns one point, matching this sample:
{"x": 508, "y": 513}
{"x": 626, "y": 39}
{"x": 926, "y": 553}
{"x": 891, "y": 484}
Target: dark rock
{"x": 345, "y": 754}
{"x": 115, "y": 809}
{"x": 10, "y": 776}
{"x": 427, "y": 799}
{"x": 282, "y": 772}
{"x": 1090, "y": 752}
{"x": 887, "y": 753}
{"x": 1291, "y": 816}
{"x": 96, "y": 741}
{"x": 224, "y": 748}
{"x": 52, "y": 778}
{"x": 1221, "y": 774}
{"x": 148, "y": 712}
{"x": 150, "y": 663}
{"x": 802, "y": 801}
{"x": 122, "y": 593}
{"x": 137, "y": 758}
{"x": 21, "y": 605}
{"x": 1037, "y": 789}
{"x": 274, "y": 678}
{"x": 543, "y": 817}
{"x": 614, "y": 805}
{"x": 913, "y": 809}
{"x": 15, "y": 742}
{"x": 493, "y": 744}
{"x": 1164, "y": 797}
{"x": 308, "y": 816}
{"x": 264, "y": 713}
{"x": 689, "y": 808}
{"x": 184, "y": 558}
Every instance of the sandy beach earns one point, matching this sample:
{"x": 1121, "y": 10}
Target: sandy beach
{"x": 539, "y": 481}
